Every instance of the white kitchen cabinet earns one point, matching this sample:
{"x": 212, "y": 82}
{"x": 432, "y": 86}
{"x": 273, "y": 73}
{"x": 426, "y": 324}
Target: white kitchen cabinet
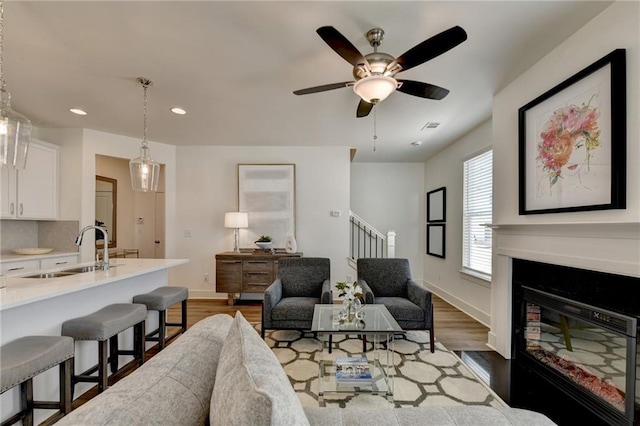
{"x": 19, "y": 266}
{"x": 32, "y": 193}
{"x": 55, "y": 262}
{"x": 26, "y": 265}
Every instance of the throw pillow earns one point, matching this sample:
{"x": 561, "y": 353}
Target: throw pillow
{"x": 251, "y": 387}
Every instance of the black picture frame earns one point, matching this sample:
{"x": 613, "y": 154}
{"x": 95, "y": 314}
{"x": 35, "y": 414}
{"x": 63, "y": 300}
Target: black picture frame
{"x": 437, "y": 205}
{"x": 436, "y": 236}
{"x": 572, "y": 142}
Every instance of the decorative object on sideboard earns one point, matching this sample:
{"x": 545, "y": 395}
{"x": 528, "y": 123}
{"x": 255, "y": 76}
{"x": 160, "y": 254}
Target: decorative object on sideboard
{"x": 236, "y": 220}
{"x": 264, "y": 243}
{"x": 572, "y": 142}
{"x": 15, "y": 128}
{"x": 145, "y": 173}
{"x": 290, "y": 244}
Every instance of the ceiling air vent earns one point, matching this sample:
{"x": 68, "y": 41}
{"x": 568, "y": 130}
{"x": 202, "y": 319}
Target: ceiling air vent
{"x": 430, "y": 125}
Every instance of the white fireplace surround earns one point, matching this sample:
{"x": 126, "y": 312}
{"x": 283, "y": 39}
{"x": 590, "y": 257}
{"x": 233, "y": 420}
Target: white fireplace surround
{"x": 604, "y": 247}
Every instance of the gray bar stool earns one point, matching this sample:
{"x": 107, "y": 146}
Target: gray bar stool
{"x": 23, "y": 359}
{"x": 104, "y": 325}
{"x": 159, "y": 300}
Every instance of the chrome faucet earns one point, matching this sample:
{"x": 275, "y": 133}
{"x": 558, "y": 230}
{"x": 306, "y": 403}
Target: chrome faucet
{"x": 105, "y": 257}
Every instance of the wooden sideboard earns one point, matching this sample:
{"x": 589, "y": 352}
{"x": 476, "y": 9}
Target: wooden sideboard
{"x": 246, "y": 272}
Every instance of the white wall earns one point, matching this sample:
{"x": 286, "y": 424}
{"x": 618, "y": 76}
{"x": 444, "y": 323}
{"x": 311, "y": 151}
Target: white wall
{"x": 607, "y": 240}
{"x": 391, "y": 197}
{"x": 208, "y": 187}
{"x": 469, "y": 294}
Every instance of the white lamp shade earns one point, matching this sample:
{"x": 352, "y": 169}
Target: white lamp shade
{"x": 375, "y": 88}
{"x": 236, "y": 220}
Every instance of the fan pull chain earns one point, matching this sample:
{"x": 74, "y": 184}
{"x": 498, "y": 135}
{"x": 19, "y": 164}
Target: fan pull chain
{"x": 375, "y": 136}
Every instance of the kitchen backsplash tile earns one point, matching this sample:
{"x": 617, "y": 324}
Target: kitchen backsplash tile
{"x": 59, "y": 235}
{"x": 18, "y": 234}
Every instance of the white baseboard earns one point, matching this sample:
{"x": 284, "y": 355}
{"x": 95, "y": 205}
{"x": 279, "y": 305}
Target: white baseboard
{"x": 475, "y": 313}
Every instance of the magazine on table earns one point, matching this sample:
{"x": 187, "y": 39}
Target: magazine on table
{"x": 353, "y": 370}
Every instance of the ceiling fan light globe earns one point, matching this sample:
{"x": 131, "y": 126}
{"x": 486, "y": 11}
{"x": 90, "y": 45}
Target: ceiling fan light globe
{"x": 375, "y": 88}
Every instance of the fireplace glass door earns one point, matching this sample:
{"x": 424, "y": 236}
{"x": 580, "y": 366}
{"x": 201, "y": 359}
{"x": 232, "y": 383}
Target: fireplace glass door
{"x": 593, "y": 348}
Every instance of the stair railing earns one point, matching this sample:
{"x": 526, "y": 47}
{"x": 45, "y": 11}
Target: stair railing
{"x": 366, "y": 241}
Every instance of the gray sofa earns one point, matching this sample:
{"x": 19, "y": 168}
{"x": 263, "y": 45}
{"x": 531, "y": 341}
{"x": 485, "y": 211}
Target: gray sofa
{"x": 221, "y": 370}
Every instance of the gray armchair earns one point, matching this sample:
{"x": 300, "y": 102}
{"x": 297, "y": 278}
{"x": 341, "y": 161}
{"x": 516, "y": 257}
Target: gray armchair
{"x": 388, "y": 282}
{"x": 302, "y": 282}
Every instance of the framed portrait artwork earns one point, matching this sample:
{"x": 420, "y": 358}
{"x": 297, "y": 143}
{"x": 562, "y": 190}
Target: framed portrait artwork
{"x": 437, "y": 205}
{"x": 435, "y": 239}
{"x": 572, "y": 142}
{"x": 267, "y": 193}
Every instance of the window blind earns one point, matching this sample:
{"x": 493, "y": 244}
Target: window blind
{"x": 477, "y": 211}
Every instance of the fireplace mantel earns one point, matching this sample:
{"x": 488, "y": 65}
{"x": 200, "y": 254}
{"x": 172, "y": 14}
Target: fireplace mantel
{"x": 612, "y": 247}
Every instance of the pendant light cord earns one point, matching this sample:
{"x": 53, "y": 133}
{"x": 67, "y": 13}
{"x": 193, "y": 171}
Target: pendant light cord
{"x": 2, "y": 83}
{"x": 145, "y": 82}
{"x": 375, "y": 135}
{"x": 144, "y": 132}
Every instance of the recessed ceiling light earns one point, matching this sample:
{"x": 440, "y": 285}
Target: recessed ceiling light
{"x": 178, "y": 110}
{"x": 416, "y": 143}
{"x": 78, "y": 111}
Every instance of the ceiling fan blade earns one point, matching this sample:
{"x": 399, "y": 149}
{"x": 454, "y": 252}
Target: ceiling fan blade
{"x": 341, "y": 45}
{"x": 364, "y": 108}
{"x": 422, "y": 90}
{"x": 432, "y": 47}
{"x": 322, "y": 88}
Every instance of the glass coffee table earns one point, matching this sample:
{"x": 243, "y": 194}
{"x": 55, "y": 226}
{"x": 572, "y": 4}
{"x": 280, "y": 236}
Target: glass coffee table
{"x": 379, "y": 327}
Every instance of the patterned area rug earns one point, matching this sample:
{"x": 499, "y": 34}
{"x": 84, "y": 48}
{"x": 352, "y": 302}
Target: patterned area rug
{"x": 421, "y": 378}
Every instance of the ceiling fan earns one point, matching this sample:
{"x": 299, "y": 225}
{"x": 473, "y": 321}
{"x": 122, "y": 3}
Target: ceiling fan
{"x": 375, "y": 73}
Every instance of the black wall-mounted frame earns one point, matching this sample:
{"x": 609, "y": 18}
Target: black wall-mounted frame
{"x": 552, "y": 127}
{"x": 436, "y": 237}
{"x": 437, "y": 205}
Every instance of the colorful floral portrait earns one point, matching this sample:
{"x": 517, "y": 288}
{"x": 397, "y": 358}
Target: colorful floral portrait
{"x": 572, "y": 142}
{"x": 567, "y": 141}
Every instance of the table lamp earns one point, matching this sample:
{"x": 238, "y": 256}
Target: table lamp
{"x": 236, "y": 220}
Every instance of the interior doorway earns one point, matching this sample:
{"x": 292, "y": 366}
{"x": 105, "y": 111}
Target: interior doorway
{"x": 140, "y": 215}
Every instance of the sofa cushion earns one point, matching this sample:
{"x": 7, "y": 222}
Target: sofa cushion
{"x": 251, "y": 387}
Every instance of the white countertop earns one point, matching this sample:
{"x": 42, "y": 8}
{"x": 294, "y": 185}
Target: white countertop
{"x": 21, "y": 291}
{"x": 14, "y": 257}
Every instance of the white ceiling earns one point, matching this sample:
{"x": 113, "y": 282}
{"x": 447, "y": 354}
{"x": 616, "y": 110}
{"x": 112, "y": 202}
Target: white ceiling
{"x": 233, "y": 67}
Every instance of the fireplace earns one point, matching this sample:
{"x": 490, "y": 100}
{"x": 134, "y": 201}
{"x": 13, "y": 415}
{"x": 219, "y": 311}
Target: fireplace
{"x": 575, "y": 339}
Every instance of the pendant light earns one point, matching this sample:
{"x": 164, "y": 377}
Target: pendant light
{"x": 15, "y": 128}
{"x": 145, "y": 172}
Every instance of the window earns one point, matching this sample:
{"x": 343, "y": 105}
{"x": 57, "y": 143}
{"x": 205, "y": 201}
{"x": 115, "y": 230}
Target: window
{"x": 477, "y": 211}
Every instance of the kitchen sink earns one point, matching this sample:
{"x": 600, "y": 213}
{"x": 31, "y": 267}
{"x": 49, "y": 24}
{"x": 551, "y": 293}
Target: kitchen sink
{"x": 80, "y": 270}
{"x": 51, "y": 275}
{"x": 66, "y": 272}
